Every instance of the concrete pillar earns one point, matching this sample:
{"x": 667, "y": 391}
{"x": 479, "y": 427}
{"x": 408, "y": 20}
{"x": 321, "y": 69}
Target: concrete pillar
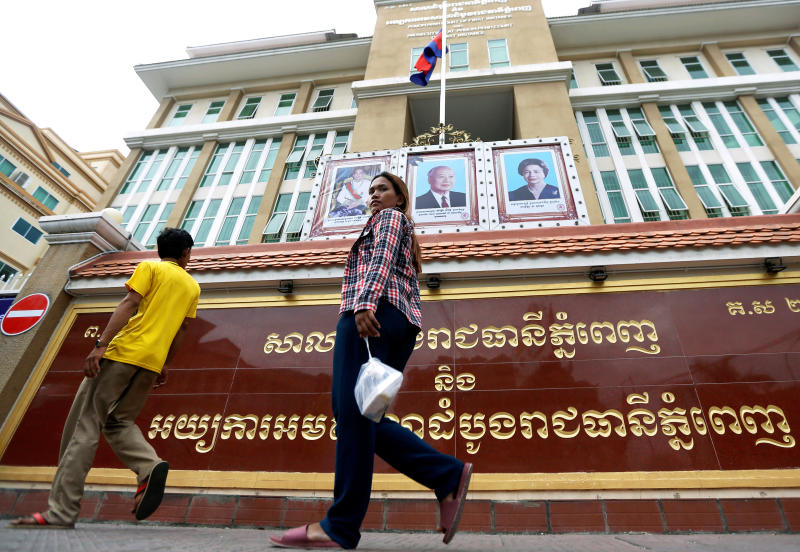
{"x": 119, "y": 178}
{"x": 772, "y": 139}
{"x": 303, "y": 97}
{"x": 543, "y": 109}
{"x": 794, "y": 44}
{"x": 675, "y": 165}
{"x": 72, "y": 239}
{"x": 381, "y": 123}
{"x": 630, "y": 67}
{"x": 161, "y": 113}
{"x": 192, "y": 183}
{"x": 717, "y": 60}
{"x": 231, "y": 105}
{"x": 272, "y": 189}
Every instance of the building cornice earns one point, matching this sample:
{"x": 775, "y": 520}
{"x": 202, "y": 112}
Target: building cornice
{"x": 722, "y": 88}
{"x": 35, "y": 206}
{"x": 97, "y": 228}
{"x": 467, "y": 80}
{"x": 161, "y": 78}
{"x": 229, "y": 131}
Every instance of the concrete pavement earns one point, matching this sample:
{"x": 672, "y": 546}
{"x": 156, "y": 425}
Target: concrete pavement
{"x": 113, "y": 537}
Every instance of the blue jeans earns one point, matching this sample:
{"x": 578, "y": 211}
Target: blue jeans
{"x": 358, "y": 439}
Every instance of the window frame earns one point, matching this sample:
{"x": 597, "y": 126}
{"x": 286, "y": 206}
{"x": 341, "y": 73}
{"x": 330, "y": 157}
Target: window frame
{"x": 608, "y": 82}
{"x": 696, "y": 61}
{"x": 655, "y": 68}
{"x": 180, "y": 114}
{"x": 27, "y": 232}
{"x": 320, "y": 105}
{"x": 498, "y": 63}
{"x": 253, "y": 102}
{"x": 740, "y": 63}
{"x": 283, "y": 109}
{"x": 454, "y": 50}
{"x": 786, "y": 55}
{"x": 207, "y": 117}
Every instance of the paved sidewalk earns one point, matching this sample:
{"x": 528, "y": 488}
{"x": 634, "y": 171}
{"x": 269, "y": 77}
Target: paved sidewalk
{"x": 107, "y": 537}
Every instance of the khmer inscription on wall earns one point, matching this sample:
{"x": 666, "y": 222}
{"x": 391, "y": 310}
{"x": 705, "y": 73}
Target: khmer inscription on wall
{"x": 702, "y": 379}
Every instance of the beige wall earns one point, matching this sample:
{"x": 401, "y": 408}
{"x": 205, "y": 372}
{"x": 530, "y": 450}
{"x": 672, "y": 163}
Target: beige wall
{"x": 529, "y": 39}
{"x": 381, "y": 123}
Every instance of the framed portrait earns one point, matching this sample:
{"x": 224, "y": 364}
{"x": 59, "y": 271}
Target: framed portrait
{"x": 443, "y": 188}
{"x": 536, "y": 185}
{"x": 341, "y": 195}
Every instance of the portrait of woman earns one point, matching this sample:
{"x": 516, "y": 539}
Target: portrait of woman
{"x": 533, "y": 172}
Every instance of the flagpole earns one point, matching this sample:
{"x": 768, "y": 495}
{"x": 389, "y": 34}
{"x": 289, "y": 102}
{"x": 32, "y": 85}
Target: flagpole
{"x": 444, "y": 70}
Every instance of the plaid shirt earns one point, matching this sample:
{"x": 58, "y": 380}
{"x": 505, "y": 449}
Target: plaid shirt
{"x": 380, "y": 265}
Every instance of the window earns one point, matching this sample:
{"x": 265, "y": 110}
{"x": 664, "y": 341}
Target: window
{"x": 180, "y": 115}
{"x": 740, "y": 63}
{"x": 45, "y": 198}
{"x": 216, "y": 162}
{"x": 61, "y": 169}
{"x": 278, "y": 227}
{"x": 285, "y": 104}
{"x": 621, "y": 132}
{"x": 782, "y": 59}
{"x": 675, "y": 128}
{"x": 776, "y": 121}
{"x": 250, "y": 217}
{"x": 619, "y": 210}
{"x": 127, "y": 214}
{"x": 6, "y": 166}
{"x": 269, "y": 162}
{"x": 144, "y": 223}
{"x": 206, "y": 221}
{"x": 272, "y": 233}
{"x": 313, "y": 153}
{"x": 415, "y": 53}
{"x": 191, "y": 214}
{"x": 459, "y": 56}
{"x": 20, "y": 178}
{"x": 6, "y": 272}
{"x": 721, "y": 125}
{"x": 757, "y": 188}
{"x": 694, "y": 67}
{"x": 172, "y": 169}
{"x": 711, "y": 203}
{"x": 608, "y": 75}
{"x": 573, "y": 83}
{"x": 645, "y": 133}
{"x": 673, "y": 202}
{"x": 151, "y": 172}
{"x": 498, "y": 53}
{"x": 27, "y": 230}
{"x": 250, "y": 166}
{"x": 599, "y": 146}
{"x": 697, "y": 130}
{"x": 647, "y": 202}
{"x": 250, "y": 107}
{"x": 652, "y": 71}
{"x": 226, "y": 231}
{"x": 340, "y": 143}
{"x": 323, "y": 102}
{"x": 294, "y": 160}
{"x": 790, "y": 111}
{"x": 159, "y": 225}
{"x": 779, "y": 182}
{"x": 143, "y": 160}
{"x": 743, "y": 123}
{"x": 214, "y": 109}
{"x": 733, "y": 199}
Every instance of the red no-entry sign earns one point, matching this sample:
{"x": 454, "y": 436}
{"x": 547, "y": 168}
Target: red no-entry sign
{"x": 25, "y": 314}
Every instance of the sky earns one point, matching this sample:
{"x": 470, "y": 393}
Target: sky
{"x": 69, "y": 65}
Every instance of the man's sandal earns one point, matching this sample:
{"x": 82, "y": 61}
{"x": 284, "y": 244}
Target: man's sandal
{"x": 151, "y": 492}
{"x": 37, "y": 521}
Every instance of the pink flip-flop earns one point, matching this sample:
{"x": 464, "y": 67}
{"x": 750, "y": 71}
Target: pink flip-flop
{"x": 298, "y": 538}
{"x": 450, "y": 511}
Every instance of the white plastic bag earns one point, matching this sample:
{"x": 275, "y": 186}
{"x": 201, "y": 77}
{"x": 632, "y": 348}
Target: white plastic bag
{"x": 376, "y": 387}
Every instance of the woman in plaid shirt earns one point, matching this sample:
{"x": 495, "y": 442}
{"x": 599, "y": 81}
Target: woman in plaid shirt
{"x": 380, "y": 299}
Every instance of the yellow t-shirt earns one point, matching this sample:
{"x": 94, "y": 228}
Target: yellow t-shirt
{"x": 169, "y": 295}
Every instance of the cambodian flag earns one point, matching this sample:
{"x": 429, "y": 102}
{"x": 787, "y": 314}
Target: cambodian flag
{"x": 427, "y": 61}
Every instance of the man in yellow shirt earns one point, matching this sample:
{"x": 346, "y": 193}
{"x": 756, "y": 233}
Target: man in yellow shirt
{"x": 128, "y": 360}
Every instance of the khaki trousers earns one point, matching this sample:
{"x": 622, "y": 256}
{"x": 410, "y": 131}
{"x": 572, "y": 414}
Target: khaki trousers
{"x": 108, "y": 403}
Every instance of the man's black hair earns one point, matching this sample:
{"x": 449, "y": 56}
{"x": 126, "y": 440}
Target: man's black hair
{"x": 172, "y": 242}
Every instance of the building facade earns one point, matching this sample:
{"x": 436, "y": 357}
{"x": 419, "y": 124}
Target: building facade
{"x": 637, "y": 356}
{"x": 41, "y": 175}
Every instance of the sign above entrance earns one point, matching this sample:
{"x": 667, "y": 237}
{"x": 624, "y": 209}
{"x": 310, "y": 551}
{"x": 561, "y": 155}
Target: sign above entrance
{"x": 25, "y": 314}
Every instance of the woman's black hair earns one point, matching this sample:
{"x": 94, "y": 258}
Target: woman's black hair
{"x": 526, "y": 162}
